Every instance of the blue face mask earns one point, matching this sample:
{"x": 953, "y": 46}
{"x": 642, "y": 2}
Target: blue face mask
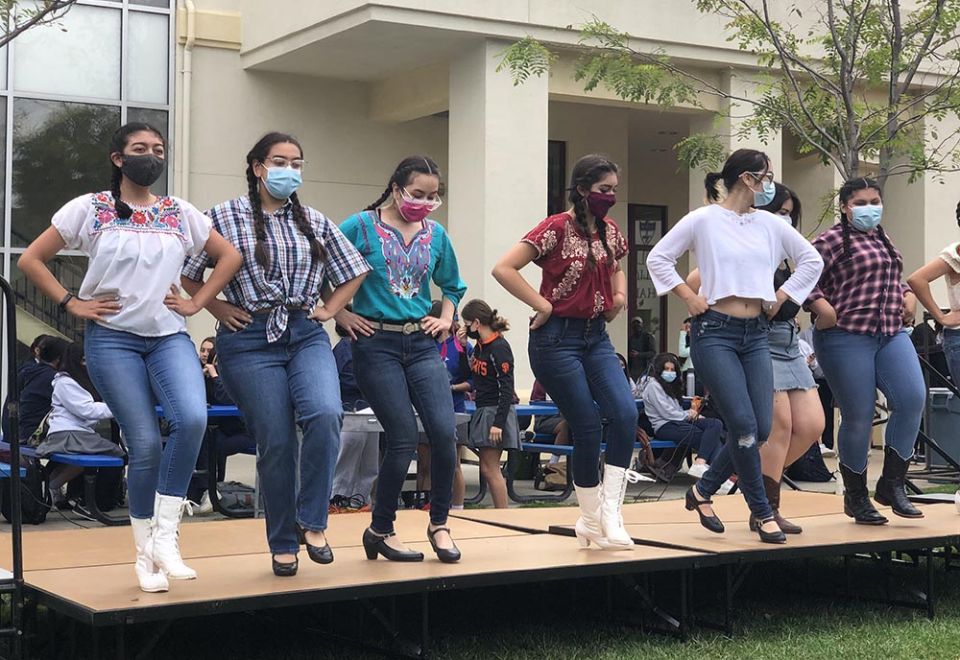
{"x": 668, "y": 376}
{"x": 866, "y": 218}
{"x": 766, "y": 195}
{"x": 282, "y": 182}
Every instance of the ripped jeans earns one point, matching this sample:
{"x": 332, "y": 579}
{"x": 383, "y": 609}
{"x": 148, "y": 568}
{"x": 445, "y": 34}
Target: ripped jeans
{"x": 733, "y": 361}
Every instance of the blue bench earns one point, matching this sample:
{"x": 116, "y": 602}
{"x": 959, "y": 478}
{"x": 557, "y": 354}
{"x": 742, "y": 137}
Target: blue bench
{"x": 89, "y": 463}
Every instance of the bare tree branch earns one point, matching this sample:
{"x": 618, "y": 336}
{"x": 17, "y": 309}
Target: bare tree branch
{"x": 46, "y": 12}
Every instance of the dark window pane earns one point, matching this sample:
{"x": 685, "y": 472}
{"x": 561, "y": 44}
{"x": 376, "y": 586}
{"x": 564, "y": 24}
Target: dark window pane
{"x": 556, "y": 176}
{"x": 164, "y": 4}
{"x": 60, "y": 151}
{"x": 157, "y": 119}
{"x": 37, "y": 314}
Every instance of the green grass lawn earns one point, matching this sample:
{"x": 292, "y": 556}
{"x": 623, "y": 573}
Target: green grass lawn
{"x": 775, "y": 618}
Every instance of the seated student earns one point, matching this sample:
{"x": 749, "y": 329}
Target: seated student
{"x": 554, "y": 430}
{"x": 35, "y": 380}
{"x": 230, "y": 433}
{"x": 634, "y": 383}
{"x": 359, "y": 456}
{"x": 76, "y": 408}
{"x": 662, "y": 400}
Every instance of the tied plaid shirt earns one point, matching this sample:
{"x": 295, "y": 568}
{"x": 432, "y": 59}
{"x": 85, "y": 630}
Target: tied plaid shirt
{"x": 865, "y": 288}
{"x": 293, "y": 278}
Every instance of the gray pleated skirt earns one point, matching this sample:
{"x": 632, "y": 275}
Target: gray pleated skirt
{"x": 480, "y": 423}
{"x": 790, "y": 370}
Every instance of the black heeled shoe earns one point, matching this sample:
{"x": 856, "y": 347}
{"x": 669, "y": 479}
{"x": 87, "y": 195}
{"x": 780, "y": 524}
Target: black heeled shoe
{"x": 376, "y": 544}
{"x": 319, "y": 554}
{"x": 770, "y": 537}
{"x": 447, "y": 556}
{"x": 710, "y": 522}
{"x": 284, "y": 569}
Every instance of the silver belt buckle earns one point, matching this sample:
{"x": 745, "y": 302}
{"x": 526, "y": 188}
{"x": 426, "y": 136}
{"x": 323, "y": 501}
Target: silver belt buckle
{"x": 409, "y": 328}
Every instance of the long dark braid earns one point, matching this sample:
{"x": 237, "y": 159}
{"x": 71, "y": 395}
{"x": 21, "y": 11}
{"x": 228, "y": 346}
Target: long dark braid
{"x": 258, "y": 154}
{"x": 403, "y": 173}
{"x": 586, "y": 172}
{"x": 117, "y": 144}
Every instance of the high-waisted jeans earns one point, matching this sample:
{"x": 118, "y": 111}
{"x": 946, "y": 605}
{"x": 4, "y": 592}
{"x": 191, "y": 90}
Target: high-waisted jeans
{"x": 398, "y": 374}
{"x": 575, "y": 362}
{"x": 855, "y": 366}
{"x": 278, "y": 386}
{"x": 733, "y": 361}
{"x": 133, "y": 375}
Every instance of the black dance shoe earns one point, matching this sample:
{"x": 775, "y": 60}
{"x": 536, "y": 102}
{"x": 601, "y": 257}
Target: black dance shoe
{"x": 318, "y": 554}
{"x": 376, "y": 544}
{"x": 710, "y": 522}
{"x": 447, "y": 556}
{"x": 284, "y": 569}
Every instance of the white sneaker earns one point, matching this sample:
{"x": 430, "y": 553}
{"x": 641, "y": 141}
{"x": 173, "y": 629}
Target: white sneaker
{"x": 726, "y": 487}
{"x": 206, "y": 506}
{"x": 697, "y": 470}
{"x": 826, "y": 451}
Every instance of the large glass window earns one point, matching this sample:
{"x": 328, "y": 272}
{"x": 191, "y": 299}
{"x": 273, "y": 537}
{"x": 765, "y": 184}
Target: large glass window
{"x": 78, "y": 55}
{"x": 148, "y": 62}
{"x": 60, "y": 151}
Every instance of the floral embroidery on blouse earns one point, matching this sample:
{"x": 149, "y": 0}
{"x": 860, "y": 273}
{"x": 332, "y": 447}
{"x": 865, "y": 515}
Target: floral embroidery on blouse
{"x": 406, "y": 265}
{"x": 548, "y": 241}
{"x": 569, "y": 281}
{"x": 598, "y": 303}
{"x": 163, "y": 216}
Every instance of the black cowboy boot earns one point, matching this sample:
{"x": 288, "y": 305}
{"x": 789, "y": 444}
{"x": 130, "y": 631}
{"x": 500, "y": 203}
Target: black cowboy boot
{"x": 772, "y": 488}
{"x": 890, "y": 491}
{"x": 856, "y": 498}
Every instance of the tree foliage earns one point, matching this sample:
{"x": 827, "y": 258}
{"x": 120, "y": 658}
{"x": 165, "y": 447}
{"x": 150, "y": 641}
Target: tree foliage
{"x": 17, "y": 16}
{"x": 852, "y": 80}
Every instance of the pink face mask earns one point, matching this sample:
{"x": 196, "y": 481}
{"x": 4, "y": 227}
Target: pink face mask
{"x": 416, "y": 210}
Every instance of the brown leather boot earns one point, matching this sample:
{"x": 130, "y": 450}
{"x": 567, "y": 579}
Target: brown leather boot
{"x": 772, "y": 488}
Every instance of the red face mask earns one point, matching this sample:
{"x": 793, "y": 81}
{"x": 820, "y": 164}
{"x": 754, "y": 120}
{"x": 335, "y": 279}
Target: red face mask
{"x": 599, "y": 203}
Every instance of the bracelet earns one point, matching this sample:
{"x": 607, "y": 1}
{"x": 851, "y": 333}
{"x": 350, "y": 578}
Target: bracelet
{"x": 63, "y": 303}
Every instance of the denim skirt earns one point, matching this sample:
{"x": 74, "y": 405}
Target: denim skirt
{"x": 790, "y": 370}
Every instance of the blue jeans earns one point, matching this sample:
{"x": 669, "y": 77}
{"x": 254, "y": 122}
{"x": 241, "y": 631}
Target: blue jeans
{"x": 133, "y": 374}
{"x": 575, "y": 362}
{"x": 951, "y": 350}
{"x": 278, "y": 386}
{"x": 702, "y": 435}
{"x": 393, "y": 371}
{"x": 733, "y": 360}
{"x": 855, "y": 366}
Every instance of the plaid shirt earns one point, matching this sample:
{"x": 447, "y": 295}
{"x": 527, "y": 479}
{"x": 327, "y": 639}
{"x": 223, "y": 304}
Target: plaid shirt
{"x": 865, "y": 288}
{"x": 293, "y": 278}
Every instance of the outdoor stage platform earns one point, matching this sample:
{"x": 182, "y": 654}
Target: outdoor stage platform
{"x": 87, "y": 576}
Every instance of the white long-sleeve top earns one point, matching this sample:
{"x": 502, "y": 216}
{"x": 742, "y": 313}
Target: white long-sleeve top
{"x": 660, "y": 407}
{"x": 737, "y": 255}
{"x": 73, "y": 407}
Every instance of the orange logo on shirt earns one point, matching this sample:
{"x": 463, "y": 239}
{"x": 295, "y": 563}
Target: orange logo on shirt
{"x": 505, "y": 368}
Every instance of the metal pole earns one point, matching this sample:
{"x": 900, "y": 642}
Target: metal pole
{"x": 13, "y": 427}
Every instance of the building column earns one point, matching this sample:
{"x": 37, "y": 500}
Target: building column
{"x": 497, "y": 178}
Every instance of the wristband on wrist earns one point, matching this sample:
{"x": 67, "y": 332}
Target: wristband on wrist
{"x": 66, "y": 299}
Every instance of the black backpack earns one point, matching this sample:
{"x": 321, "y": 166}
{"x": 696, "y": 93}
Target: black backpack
{"x": 34, "y": 497}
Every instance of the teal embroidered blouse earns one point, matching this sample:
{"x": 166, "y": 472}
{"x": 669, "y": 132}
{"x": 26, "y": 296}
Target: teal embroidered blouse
{"x": 398, "y": 287}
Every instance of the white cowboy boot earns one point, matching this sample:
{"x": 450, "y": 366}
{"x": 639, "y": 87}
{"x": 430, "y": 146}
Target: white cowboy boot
{"x": 167, "y": 511}
{"x": 149, "y": 575}
{"x": 614, "y": 489}
{"x": 589, "y": 527}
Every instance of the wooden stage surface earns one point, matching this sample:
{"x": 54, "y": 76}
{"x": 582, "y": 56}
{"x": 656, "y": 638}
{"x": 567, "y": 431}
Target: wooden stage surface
{"x": 88, "y": 573}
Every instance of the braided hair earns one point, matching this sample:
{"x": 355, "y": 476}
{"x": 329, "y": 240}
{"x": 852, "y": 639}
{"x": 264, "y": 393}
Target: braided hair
{"x": 586, "y": 172}
{"x": 401, "y": 176}
{"x": 117, "y": 144}
{"x": 849, "y": 188}
{"x": 259, "y": 154}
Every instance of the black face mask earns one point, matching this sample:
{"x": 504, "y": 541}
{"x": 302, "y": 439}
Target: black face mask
{"x": 473, "y": 334}
{"x": 143, "y": 170}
